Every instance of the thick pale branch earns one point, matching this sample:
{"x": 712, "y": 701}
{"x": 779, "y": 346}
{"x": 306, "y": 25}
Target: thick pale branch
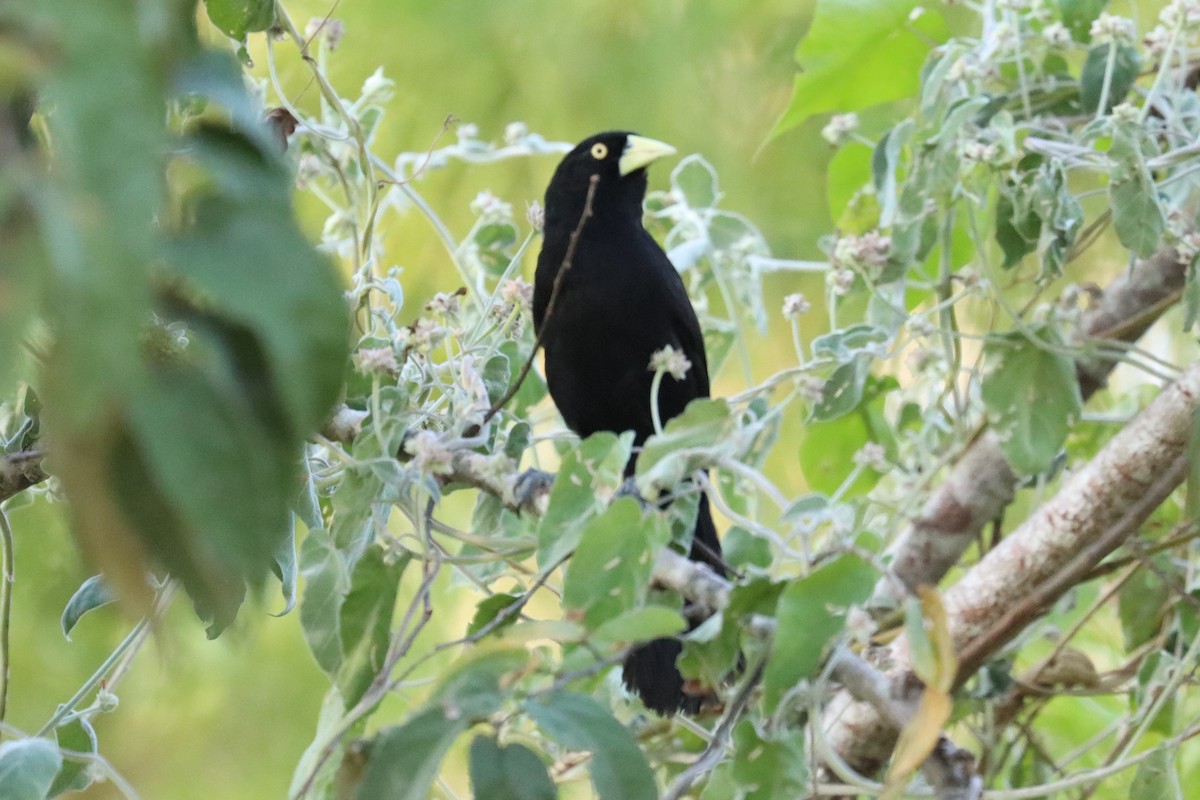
{"x": 981, "y": 484}
{"x": 19, "y": 471}
{"x": 1104, "y": 501}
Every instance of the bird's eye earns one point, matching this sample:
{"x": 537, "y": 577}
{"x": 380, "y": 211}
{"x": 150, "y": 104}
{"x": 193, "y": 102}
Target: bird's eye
{"x": 599, "y": 151}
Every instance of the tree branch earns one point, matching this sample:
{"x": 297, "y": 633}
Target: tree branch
{"x": 981, "y": 484}
{"x": 19, "y": 471}
{"x": 1101, "y": 504}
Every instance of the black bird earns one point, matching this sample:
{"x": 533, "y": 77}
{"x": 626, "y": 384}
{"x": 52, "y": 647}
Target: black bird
{"x": 620, "y": 301}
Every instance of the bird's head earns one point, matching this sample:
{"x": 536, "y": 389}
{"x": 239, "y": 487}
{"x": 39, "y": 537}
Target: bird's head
{"x": 618, "y": 159}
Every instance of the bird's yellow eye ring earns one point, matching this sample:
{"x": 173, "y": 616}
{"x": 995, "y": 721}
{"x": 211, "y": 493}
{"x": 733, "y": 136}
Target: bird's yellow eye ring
{"x": 599, "y": 151}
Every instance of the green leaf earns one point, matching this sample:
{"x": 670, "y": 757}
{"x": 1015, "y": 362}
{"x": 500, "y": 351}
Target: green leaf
{"x": 496, "y": 242}
{"x": 592, "y": 471}
{"x": 826, "y": 452}
{"x": 1061, "y": 216}
{"x": 1078, "y": 16}
{"x": 1191, "y": 296}
{"x": 509, "y": 772}
{"x": 618, "y": 769}
{"x": 696, "y": 181}
{"x": 232, "y": 516}
{"x": 842, "y": 391}
{"x": 1018, "y": 228}
{"x": 488, "y": 609}
{"x": 1126, "y": 66}
{"x": 27, "y": 768}
{"x": 1157, "y": 778}
{"x": 405, "y": 759}
{"x": 91, "y": 594}
{"x": 366, "y": 620}
{"x": 859, "y": 53}
{"x": 495, "y": 377}
{"x": 1137, "y": 216}
{"x": 330, "y": 727}
{"x": 74, "y": 776}
{"x": 1142, "y": 604}
{"x": 668, "y": 457}
{"x": 713, "y": 660}
{"x": 848, "y": 173}
{"x": 103, "y": 226}
{"x": 885, "y": 162}
{"x": 533, "y": 388}
{"x": 326, "y": 582}
{"x": 1032, "y": 399}
{"x": 810, "y": 615}
{"x": 611, "y": 566}
{"x": 741, "y": 548}
{"x": 236, "y": 18}
{"x": 283, "y": 564}
{"x": 251, "y": 259}
{"x": 771, "y": 767}
{"x": 640, "y": 625}
{"x": 305, "y": 504}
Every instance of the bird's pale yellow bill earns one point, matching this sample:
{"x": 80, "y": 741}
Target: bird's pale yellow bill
{"x": 640, "y": 151}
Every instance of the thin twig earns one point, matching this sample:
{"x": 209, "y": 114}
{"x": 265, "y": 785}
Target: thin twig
{"x": 712, "y": 754}
{"x": 563, "y": 269}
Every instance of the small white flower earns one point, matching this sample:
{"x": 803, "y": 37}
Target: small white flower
{"x": 377, "y": 89}
{"x": 426, "y": 334}
{"x": 671, "y": 361}
{"x": 873, "y": 455}
{"x": 467, "y": 132}
{"x": 429, "y": 454}
{"x": 308, "y": 169}
{"x": 1112, "y": 28}
{"x": 919, "y": 327}
{"x": 1187, "y": 247}
{"x": 518, "y": 291}
{"x": 839, "y": 280}
{"x": 448, "y": 305}
{"x": 535, "y": 215}
{"x": 106, "y": 699}
{"x": 1005, "y": 35}
{"x": 514, "y": 132}
{"x": 840, "y": 128}
{"x": 488, "y": 205}
{"x": 979, "y": 152}
{"x": 376, "y": 360}
{"x": 1184, "y": 14}
{"x": 1156, "y": 40}
{"x": 331, "y": 30}
{"x": 869, "y": 251}
{"x": 794, "y": 305}
{"x": 1057, "y": 35}
{"x": 1125, "y": 112}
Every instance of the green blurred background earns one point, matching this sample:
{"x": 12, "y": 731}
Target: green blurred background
{"x": 230, "y": 718}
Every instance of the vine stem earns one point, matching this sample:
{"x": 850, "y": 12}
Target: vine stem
{"x": 133, "y": 640}
{"x": 555, "y": 291}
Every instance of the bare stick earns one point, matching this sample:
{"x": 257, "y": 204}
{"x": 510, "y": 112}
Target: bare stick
{"x": 554, "y": 292}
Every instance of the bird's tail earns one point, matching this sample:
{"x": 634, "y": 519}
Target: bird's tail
{"x": 650, "y": 672}
{"x": 650, "y": 669}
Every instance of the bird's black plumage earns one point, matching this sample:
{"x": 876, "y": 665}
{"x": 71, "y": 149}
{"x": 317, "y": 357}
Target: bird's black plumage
{"x": 620, "y": 301}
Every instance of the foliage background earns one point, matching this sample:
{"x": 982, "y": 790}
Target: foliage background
{"x": 229, "y": 718}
